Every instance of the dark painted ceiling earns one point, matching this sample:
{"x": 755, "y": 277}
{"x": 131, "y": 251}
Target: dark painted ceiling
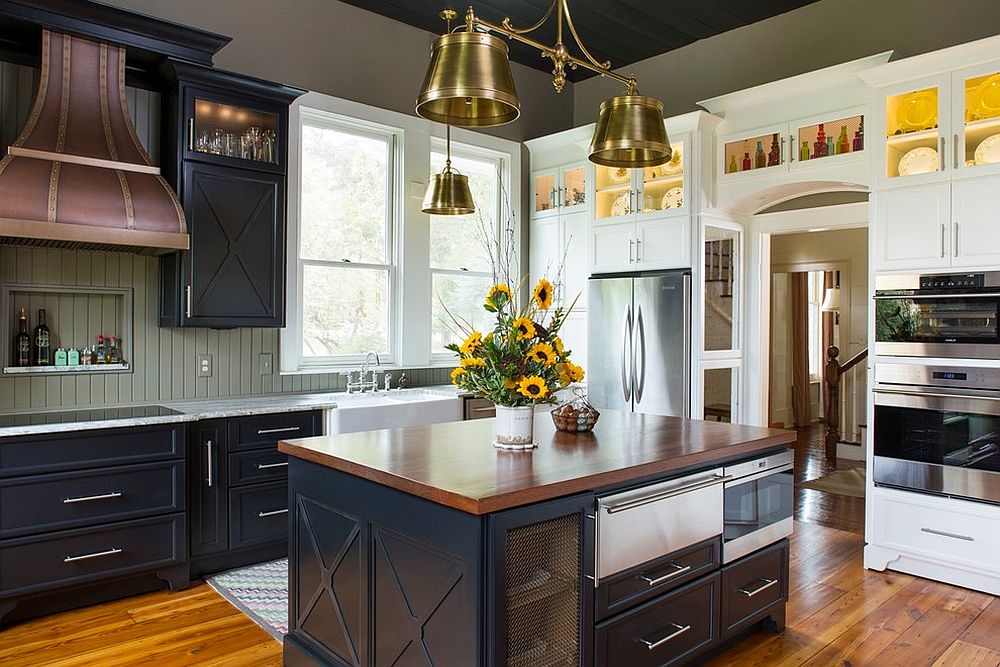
{"x": 624, "y": 31}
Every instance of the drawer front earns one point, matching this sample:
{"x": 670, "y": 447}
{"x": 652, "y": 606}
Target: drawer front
{"x": 945, "y": 529}
{"x": 37, "y": 563}
{"x": 87, "y": 449}
{"x": 65, "y": 500}
{"x": 667, "y": 631}
{"x": 258, "y": 514}
{"x": 479, "y": 408}
{"x": 265, "y": 465}
{"x": 629, "y": 588}
{"x": 261, "y": 431}
{"x": 753, "y": 585}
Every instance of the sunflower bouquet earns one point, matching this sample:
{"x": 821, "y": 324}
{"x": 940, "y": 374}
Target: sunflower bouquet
{"x": 522, "y": 361}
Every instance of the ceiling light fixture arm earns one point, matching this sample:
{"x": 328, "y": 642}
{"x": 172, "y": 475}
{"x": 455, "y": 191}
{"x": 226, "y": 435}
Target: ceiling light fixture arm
{"x": 559, "y": 54}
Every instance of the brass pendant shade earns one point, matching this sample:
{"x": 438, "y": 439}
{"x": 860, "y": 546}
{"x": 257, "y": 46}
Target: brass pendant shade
{"x": 448, "y": 193}
{"x": 469, "y": 82}
{"x": 630, "y": 133}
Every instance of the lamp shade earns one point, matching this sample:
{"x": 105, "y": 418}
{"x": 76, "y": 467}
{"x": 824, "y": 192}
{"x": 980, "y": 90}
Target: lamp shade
{"x": 630, "y": 133}
{"x": 831, "y": 300}
{"x": 448, "y": 193}
{"x": 469, "y": 82}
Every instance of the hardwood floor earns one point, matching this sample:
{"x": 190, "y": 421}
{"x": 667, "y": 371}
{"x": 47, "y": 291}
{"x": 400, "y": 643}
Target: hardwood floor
{"x": 839, "y": 613}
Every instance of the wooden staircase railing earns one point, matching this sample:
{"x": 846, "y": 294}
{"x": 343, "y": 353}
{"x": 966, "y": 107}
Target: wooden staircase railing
{"x": 833, "y": 372}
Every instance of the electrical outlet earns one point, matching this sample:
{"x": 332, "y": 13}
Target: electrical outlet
{"x": 204, "y": 365}
{"x": 266, "y": 363}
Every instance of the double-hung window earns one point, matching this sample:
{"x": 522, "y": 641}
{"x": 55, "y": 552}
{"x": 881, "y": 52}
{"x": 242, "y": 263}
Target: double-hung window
{"x": 346, "y": 240}
{"x": 461, "y": 273}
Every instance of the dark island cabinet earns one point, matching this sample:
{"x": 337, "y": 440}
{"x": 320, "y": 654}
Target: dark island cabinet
{"x": 229, "y": 169}
{"x": 238, "y": 488}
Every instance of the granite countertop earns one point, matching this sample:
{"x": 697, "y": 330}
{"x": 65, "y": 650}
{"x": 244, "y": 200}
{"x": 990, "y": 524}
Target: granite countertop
{"x": 455, "y": 464}
{"x": 56, "y": 421}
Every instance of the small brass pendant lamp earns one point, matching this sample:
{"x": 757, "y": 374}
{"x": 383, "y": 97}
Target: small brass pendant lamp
{"x": 448, "y": 192}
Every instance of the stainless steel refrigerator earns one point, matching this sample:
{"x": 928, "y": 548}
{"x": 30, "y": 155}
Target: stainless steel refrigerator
{"x": 639, "y": 343}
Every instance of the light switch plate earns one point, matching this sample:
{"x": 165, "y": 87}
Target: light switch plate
{"x": 204, "y": 365}
{"x": 266, "y": 363}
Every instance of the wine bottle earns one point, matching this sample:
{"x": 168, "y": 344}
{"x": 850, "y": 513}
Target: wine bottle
{"x": 114, "y": 352}
{"x": 760, "y": 160}
{"x": 41, "y": 344}
{"x": 843, "y": 143}
{"x": 22, "y": 343}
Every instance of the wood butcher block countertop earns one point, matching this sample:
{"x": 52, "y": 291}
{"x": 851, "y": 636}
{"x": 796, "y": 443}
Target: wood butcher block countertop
{"x": 455, "y": 464}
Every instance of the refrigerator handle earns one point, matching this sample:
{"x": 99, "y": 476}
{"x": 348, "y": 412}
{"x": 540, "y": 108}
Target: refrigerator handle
{"x": 626, "y": 360}
{"x": 687, "y": 345}
{"x": 639, "y": 347}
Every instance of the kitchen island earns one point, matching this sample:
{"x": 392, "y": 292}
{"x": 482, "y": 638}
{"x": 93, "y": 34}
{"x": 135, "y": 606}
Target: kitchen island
{"x": 427, "y": 545}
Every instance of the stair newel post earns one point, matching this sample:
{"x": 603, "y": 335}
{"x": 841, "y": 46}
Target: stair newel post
{"x": 831, "y": 375}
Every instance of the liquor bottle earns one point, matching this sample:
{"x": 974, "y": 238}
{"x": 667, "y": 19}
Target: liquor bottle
{"x": 100, "y": 351}
{"x": 859, "y": 137}
{"x": 732, "y": 165}
{"x": 114, "y": 352}
{"x": 804, "y": 151}
{"x": 22, "y": 343}
{"x": 843, "y": 143}
{"x": 819, "y": 148}
{"x": 774, "y": 155}
{"x": 759, "y": 159}
{"x": 41, "y": 345}
{"x": 747, "y": 163}
{"x": 86, "y": 356}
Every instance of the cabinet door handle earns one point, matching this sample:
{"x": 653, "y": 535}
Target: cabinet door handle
{"x": 263, "y": 515}
{"x": 941, "y": 533}
{"x": 99, "y": 554}
{"x": 267, "y": 466}
{"x": 782, "y": 149}
{"x": 84, "y": 499}
{"x": 791, "y": 142}
{"x": 942, "y": 153}
{"x": 942, "y": 240}
{"x": 491, "y": 409}
{"x": 638, "y": 250}
{"x": 678, "y": 571}
{"x": 631, "y": 244}
{"x": 191, "y": 133}
{"x": 285, "y": 429}
{"x": 653, "y": 645}
{"x": 954, "y": 247}
{"x": 187, "y": 301}
{"x": 954, "y": 150}
{"x": 760, "y": 589}
{"x": 210, "y": 466}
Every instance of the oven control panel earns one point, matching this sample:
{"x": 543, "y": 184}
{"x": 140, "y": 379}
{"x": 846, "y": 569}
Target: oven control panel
{"x": 968, "y": 377}
{"x": 962, "y": 281}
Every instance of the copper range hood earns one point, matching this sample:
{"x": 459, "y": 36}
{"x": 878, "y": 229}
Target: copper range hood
{"x": 77, "y": 175}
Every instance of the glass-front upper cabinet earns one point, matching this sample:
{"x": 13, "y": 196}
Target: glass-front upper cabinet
{"x": 561, "y": 190}
{"x": 659, "y": 190}
{"x": 662, "y": 187}
{"x": 233, "y": 131}
{"x": 915, "y": 127}
{"x": 977, "y": 121}
{"x": 826, "y": 138}
{"x": 753, "y": 152}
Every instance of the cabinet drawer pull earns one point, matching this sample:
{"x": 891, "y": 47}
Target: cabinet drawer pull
{"x": 941, "y": 533}
{"x": 187, "y": 301}
{"x": 489, "y": 409}
{"x": 679, "y": 570}
{"x": 265, "y": 466}
{"x": 210, "y": 464}
{"x": 954, "y": 246}
{"x": 653, "y": 497}
{"x": 286, "y": 429}
{"x": 760, "y": 589}
{"x": 652, "y": 646}
{"x": 99, "y": 554}
{"x": 84, "y": 499}
{"x": 942, "y": 241}
{"x": 263, "y": 515}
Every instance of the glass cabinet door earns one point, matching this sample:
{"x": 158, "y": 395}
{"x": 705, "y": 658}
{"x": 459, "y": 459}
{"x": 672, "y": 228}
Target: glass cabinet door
{"x": 573, "y": 189}
{"x": 231, "y": 131}
{"x": 615, "y": 192}
{"x": 913, "y": 135}
{"x": 977, "y": 127}
{"x": 836, "y": 136}
{"x": 721, "y": 298}
{"x": 720, "y": 388}
{"x": 663, "y": 186}
{"x": 545, "y": 184}
{"x": 745, "y": 154}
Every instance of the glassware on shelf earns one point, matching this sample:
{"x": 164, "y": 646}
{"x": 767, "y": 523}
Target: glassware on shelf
{"x": 774, "y": 154}
{"x": 747, "y": 162}
{"x": 235, "y": 132}
{"x": 819, "y": 146}
{"x": 804, "y": 151}
{"x": 759, "y": 159}
{"x": 843, "y": 143}
{"x": 858, "y": 144}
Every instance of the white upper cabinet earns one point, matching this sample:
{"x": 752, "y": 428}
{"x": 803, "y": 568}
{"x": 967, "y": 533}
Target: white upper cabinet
{"x": 976, "y": 223}
{"x": 559, "y": 190}
{"x": 976, "y": 121}
{"x": 643, "y": 193}
{"x": 912, "y": 227}
{"x": 912, "y": 132}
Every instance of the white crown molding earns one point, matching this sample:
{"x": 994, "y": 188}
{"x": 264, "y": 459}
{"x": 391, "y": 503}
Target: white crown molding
{"x": 935, "y": 62}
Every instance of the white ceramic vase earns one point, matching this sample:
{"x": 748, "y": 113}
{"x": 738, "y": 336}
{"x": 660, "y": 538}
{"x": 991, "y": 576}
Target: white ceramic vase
{"x": 514, "y": 427}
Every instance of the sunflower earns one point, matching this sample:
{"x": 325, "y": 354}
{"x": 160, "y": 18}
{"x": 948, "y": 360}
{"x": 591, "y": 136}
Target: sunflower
{"x": 457, "y": 374}
{"x": 542, "y": 294}
{"x": 542, "y": 353}
{"x": 472, "y": 343}
{"x": 558, "y": 345}
{"x": 575, "y": 372}
{"x": 509, "y": 384}
{"x": 533, "y": 387}
{"x": 525, "y": 328}
{"x": 500, "y": 288}
{"x": 473, "y": 362}
{"x": 563, "y": 372}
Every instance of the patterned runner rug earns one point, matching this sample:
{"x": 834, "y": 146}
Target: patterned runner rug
{"x": 259, "y": 591}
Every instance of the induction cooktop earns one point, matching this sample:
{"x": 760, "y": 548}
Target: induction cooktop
{"x": 72, "y": 416}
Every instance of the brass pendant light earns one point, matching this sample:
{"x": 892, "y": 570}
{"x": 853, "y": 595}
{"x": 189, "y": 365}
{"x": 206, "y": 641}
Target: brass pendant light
{"x": 469, "y": 83}
{"x": 448, "y": 192}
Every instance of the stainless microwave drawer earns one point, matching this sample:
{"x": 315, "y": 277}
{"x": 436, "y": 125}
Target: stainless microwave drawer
{"x": 640, "y": 525}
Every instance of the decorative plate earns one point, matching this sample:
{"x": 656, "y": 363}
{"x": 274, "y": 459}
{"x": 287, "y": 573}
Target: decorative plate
{"x": 987, "y": 98}
{"x": 918, "y": 111}
{"x": 675, "y": 164}
{"x": 618, "y": 175}
{"x": 921, "y": 160}
{"x": 988, "y": 151}
{"x": 673, "y": 198}
{"x": 622, "y": 205}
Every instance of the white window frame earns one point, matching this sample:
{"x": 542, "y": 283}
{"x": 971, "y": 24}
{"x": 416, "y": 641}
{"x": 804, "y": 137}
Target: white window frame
{"x": 503, "y": 161}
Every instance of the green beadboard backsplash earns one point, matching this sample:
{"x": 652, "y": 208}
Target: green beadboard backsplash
{"x": 164, "y": 360}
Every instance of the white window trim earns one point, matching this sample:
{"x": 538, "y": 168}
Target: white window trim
{"x": 412, "y": 281}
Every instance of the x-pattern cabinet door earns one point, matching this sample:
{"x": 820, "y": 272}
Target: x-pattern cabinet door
{"x": 235, "y": 269}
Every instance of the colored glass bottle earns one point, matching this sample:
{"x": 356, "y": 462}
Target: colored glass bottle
{"x": 774, "y": 154}
{"x": 114, "y": 352}
{"x": 843, "y": 143}
{"x": 22, "y": 342}
{"x": 41, "y": 342}
{"x": 732, "y": 165}
{"x": 100, "y": 351}
{"x": 747, "y": 162}
{"x": 804, "y": 151}
{"x": 859, "y": 137}
{"x": 819, "y": 147}
{"x": 759, "y": 158}
{"x": 831, "y": 146}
